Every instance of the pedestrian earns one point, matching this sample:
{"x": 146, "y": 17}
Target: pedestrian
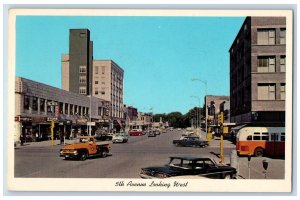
{"x": 22, "y": 139}
{"x": 213, "y": 134}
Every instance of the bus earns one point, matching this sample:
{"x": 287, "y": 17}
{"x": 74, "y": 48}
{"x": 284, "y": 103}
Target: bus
{"x": 261, "y": 141}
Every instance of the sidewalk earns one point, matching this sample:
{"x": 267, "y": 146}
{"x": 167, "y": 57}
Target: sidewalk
{"x": 46, "y": 143}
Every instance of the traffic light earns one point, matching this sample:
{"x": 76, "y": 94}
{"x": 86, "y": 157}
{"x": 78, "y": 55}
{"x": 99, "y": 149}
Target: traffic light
{"x": 221, "y": 118}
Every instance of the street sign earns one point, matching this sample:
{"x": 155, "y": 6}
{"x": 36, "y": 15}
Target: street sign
{"x": 91, "y": 123}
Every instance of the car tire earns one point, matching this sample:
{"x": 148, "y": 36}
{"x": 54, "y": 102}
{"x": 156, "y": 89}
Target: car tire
{"x": 259, "y": 152}
{"x": 83, "y": 156}
{"x": 227, "y": 176}
{"x": 103, "y": 153}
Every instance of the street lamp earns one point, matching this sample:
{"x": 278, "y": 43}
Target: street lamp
{"x": 199, "y": 115}
{"x": 206, "y": 110}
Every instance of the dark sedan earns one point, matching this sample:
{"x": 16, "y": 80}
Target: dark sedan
{"x": 181, "y": 167}
{"x": 191, "y": 142}
{"x": 151, "y": 134}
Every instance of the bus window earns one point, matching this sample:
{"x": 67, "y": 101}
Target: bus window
{"x": 274, "y": 137}
{"x": 256, "y": 136}
{"x": 249, "y": 137}
{"x": 282, "y": 137}
{"x": 265, "y": 136}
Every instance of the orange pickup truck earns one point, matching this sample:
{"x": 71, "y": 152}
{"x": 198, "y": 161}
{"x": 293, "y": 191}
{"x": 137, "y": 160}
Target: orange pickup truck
{"x": 84, "y": 147}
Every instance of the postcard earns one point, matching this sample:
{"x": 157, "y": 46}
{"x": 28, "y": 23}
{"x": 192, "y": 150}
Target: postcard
{"x": 149, "y": 100}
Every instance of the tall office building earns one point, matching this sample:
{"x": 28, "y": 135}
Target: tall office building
{"x": 257, "y": 72}
{"x": 108, "y": 85}
{"x": 80, "y": 69}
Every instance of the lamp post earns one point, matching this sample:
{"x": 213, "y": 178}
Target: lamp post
{"x": 198, "y": 114}
{"x": 206, "y": 110}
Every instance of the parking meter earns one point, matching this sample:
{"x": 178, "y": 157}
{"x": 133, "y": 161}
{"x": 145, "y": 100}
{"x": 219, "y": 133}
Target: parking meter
{"x": 249, "y": 158}
{"x": 265, "y": 164}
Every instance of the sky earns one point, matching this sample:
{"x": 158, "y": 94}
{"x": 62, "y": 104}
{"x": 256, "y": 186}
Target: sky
{"x": 160, "y": 55}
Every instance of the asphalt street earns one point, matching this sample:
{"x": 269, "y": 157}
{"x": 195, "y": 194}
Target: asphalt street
{"x": 42, "y": 160}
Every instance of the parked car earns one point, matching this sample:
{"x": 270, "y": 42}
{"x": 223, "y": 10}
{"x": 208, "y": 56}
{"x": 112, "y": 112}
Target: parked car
{"x": 190, "y": 166}
{"x": 136, "y": 132}
{"x": 191, "y": 141}
{"x": 157, "y": 132}
{"x": 151, "y": 134}
{"x": 120, "y": 138}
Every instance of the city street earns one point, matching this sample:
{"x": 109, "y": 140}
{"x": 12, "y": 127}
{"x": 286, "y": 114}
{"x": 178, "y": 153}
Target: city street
{"x": 40, "y": 159}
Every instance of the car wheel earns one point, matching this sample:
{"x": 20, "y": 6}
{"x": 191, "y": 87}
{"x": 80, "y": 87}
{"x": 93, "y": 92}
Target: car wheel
{"x": 227, "y": 176}
{"x": 103, "y": 153}
{"x": 258, "y": 152}
{"x": 83, "y": 156}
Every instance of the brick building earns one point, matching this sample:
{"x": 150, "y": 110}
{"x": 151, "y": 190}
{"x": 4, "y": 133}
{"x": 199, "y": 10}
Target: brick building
{"x": 257, "y": 72}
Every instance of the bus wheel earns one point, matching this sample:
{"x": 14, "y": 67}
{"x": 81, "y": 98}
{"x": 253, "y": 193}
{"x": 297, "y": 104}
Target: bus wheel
{"x": 258, "y": 152}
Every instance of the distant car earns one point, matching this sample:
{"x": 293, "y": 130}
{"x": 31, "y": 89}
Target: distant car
{"x": 157, "y": 132}
{"x": 120, "y": 138}
{"x": 190, "y": 141}
{"x": 188, "y": 167}
{"x": 151, "y": 134}
{"x": 104, "y": 136}
{"x": 136, "y": 132}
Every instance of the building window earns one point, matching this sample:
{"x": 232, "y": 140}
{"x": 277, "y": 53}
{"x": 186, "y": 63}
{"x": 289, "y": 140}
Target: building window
{"x": 266, "y": 91}
{"x": 96, "y": 69}
{"x": 96, "y": 82}
{"x": 96, "y": 90}
{"x": 26, "y": 102}
{"x": 82, "y": 90}
{"x": 82, "y": 69}
{"x": 265, "y": 36}
{"x": 103, "y": 83}
{"x": 82, "y": 34}
{"x": 282, "y": 63}
{"x": 103, "y": 69}
{"x": 34, "y": 103}
{"x": 266, "y": 64}
{"x": 71, "y": 109}
{"x": 66, "y": 108}
{"x": 49, "y": 107}
{"x": 103, "y": 92}
{"x": 82, "y": 79}
{"x": 282, "y": 36}
{"x": 282, "y": 91}
{"x": 61, "y": 105}
{"x": 42, "y": 105}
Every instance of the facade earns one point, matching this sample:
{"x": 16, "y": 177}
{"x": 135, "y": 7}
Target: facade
{"x": 108, "y": 85}
{"x": 257, "y": 72}
{"x": 36, "y": 104}
{"x": 80, "y": 62}
{"x": 215, "y": 105}
{"x": 144, "y": 121}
